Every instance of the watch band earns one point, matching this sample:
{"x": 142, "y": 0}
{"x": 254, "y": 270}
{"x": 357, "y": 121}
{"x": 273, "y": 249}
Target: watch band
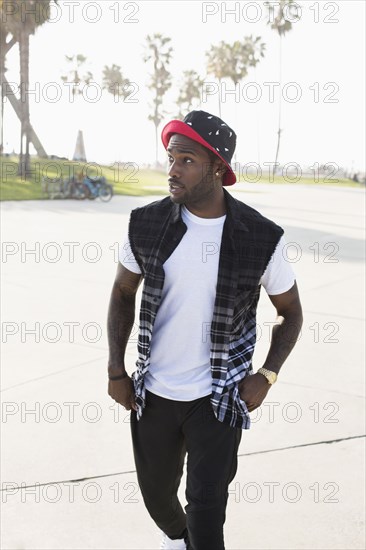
{"x": 269, "y": 374}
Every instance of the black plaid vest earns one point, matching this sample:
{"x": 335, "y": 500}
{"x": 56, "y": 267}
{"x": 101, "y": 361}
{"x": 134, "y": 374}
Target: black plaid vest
{"x": 248, "y": 242}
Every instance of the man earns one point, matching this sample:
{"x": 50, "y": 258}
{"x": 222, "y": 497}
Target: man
{"x": 203, "y": 256}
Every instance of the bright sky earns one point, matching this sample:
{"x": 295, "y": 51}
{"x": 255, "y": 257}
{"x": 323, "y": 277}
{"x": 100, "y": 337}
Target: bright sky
{"x": 323, "y": 63}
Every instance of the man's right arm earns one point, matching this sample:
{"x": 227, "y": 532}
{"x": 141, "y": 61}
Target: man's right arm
{"x": 121, "y": 315}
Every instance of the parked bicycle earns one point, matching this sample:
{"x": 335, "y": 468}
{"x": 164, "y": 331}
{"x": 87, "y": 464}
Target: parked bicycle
{"x": 64, "y": 189}
{"x": 74, "y": 188}
{"x": 98, "y": 187}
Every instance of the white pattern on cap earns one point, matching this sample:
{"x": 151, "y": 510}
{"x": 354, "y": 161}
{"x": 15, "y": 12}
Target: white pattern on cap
{"x": 201, "y": 122}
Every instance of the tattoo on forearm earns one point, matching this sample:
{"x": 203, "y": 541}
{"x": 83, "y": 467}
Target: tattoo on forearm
{"x": 121, "y": 317}
{"x": 284, "y": 338}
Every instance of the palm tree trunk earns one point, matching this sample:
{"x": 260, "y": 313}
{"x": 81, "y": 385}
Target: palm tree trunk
{"x": 156, "y": 123}
{"x": 24, "y": 160}
{"x": 2, "y": 120}
{"x": 156, "y": 145}
{"x": 2, "y": 72}
{"x": 220, "y": 97}
{"x": 17, "y": 106}
{"x": 4, "y": 48}
{"x": 279, "y": 111}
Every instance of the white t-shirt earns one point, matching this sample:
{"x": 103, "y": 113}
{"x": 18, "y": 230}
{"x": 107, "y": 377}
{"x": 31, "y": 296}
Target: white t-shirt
{"x": 180, "y": 348}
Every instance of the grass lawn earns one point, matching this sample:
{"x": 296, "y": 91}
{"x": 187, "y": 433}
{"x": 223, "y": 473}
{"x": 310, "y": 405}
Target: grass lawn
{"x": 128, "y": 179}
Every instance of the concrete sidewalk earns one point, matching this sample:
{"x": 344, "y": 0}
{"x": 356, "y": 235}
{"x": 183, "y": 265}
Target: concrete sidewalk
{"x": 68, "y": 477}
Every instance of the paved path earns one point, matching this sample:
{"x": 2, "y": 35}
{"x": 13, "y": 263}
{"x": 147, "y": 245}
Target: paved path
{"x": 300, "y": 477}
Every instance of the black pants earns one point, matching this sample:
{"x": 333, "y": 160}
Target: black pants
{"x": 167, "y": 431}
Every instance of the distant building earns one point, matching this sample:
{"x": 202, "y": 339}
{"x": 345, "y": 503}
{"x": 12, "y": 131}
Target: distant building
{"x": 79, "y": 153}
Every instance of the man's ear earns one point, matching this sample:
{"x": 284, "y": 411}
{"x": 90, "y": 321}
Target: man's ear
{"x": 219, "y": 168}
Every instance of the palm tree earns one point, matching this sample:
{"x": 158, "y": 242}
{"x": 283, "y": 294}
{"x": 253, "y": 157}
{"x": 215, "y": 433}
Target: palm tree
{"x": 218, "y": 59}
{"x": 244, "y": 54}
{"x": 233, "y": 60}
{"x": 4, "y": 48}
{"x": 22, "y": 21}
{"x": 159, "y": 53}
{"x": 190, "y": 89}
{"x": 115, "y": 83}
{"x": 282, "y": 26}
{"x": 74, "y": 75}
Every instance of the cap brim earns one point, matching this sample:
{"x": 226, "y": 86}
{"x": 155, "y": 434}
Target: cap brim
{"x": 180, "y": 127}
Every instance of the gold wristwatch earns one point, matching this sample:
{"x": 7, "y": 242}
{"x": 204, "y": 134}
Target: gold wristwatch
{"x": 269, "y": 374}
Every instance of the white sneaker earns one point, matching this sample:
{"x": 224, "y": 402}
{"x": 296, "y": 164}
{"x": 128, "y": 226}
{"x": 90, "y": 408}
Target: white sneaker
{"x": 169, "y": 544}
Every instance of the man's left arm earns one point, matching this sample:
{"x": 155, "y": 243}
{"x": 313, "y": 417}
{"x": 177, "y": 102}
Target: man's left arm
{"x": 254, "y": 388}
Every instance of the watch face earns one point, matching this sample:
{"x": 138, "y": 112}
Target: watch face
{"x": 272, "y": 377}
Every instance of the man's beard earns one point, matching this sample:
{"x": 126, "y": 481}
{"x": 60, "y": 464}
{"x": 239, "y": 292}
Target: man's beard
{"x": 193, "y": 196}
